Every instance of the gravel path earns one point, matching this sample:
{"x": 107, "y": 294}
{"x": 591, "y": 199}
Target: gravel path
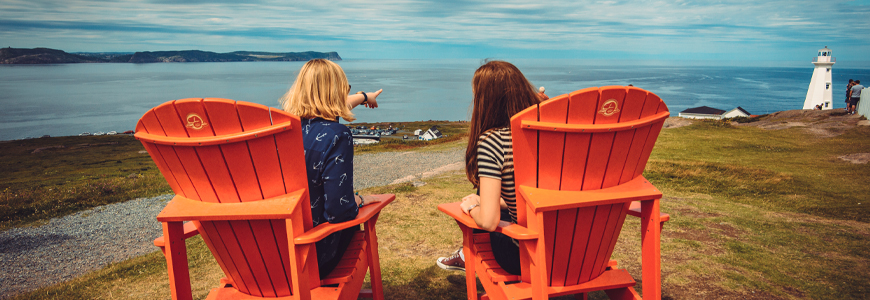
{"x": 71, "y": 246}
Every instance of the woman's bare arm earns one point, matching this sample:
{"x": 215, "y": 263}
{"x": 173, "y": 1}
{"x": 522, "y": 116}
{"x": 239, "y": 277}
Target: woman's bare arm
{"x": 487, "y": 210}
{"x": 357, "y": 99}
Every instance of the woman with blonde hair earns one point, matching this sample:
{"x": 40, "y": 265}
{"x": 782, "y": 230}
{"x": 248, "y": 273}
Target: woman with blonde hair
{"x": 319, "y": 96}
{"x": 500, "y": 91}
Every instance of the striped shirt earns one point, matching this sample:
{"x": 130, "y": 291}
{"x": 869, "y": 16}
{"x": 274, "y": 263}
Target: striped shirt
{"x": 495, "y": 159}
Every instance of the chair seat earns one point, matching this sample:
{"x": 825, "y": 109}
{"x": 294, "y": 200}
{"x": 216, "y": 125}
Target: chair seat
{"x": 609, "y": 280}
{"x": 487, "y": 260}
{"x": 353, "y": 258}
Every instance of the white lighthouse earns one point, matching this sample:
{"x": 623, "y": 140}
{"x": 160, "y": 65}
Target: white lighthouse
{"x": 819, "y": 92}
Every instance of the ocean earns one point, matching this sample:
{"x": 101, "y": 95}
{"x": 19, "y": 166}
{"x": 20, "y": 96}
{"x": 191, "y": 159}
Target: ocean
{"x": 67, "y": 99}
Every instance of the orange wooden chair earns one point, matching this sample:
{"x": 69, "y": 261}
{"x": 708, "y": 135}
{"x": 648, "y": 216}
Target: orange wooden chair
{"x": 578, "y": 161}
{"x": 238, "y": 172}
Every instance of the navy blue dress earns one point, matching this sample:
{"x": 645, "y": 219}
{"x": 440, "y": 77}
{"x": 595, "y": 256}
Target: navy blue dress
{"x": 329, "y": 161}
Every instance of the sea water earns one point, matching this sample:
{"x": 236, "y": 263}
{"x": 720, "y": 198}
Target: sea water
{"x": 68, "y": 99}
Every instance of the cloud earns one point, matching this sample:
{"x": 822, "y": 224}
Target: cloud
{"x": 635, "y": 28}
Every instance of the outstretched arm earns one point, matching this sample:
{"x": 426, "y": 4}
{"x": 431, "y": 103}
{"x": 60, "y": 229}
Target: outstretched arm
{"x": 357, "y": 99}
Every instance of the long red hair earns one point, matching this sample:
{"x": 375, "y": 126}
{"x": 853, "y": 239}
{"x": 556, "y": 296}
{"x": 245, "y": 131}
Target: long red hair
{"x": 500, "y": 91}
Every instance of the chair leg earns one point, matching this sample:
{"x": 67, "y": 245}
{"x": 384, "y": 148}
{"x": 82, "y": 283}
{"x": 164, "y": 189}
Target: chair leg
{"x": 176, "y": 260}
{"x": 374, "y": 261}
{"x": 651, "y": 244}
{"x": 470, "y": 279}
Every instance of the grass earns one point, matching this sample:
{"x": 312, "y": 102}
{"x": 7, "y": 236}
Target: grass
{"x": 755, "y": 214}
{"x": 787, "y": 169}
{"x": 50, "y": 177}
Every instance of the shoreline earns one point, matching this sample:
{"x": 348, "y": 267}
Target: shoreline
{"x": 349, "y": 125}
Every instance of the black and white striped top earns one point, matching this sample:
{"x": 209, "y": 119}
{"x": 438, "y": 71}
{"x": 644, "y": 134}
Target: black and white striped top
{"x": 495, "y": 159}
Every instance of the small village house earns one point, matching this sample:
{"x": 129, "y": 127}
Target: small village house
{"x": 431, "y": 134}
{"x": 706, "y": 112}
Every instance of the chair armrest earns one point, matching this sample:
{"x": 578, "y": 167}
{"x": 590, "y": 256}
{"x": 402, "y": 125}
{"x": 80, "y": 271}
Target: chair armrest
{"x": 183, "y": 209}
{"x": 546, "y": 200}
{"x": 634, "y": 210}
{"x": 365, "y": 213}
{"x": 189, "y": 232}
{"x": 514, "y": 231}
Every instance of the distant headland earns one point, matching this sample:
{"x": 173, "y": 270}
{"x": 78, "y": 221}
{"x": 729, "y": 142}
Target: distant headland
{"x": 53, "y": 56}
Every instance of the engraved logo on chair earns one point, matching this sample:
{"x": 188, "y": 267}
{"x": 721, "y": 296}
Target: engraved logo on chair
{"x": 609, "y": 108}
{"x": 195, "y": 121}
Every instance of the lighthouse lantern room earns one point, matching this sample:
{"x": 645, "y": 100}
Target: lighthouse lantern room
{"x": 819, "y": 93}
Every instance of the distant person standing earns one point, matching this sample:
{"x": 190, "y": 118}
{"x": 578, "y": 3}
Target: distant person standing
{"x": 849, "y": 93}
{"x": 541, "y": 94}
{"x": 856, "y": 96}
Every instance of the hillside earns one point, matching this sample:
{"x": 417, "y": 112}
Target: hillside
{"x": 53, "y": 56}
{"x": 42, "y": 56}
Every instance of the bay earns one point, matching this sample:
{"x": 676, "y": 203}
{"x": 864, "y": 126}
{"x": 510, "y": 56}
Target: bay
{"x": 68, "y": 99}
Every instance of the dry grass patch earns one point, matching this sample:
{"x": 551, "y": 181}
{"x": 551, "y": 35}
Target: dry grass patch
{"x": 46, "y": 178}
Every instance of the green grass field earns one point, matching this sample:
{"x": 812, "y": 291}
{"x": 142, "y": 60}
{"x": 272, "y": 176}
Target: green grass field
{"x": 755, "y": 214}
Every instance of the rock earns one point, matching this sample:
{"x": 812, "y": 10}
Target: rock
{"x": 856, "y": 158}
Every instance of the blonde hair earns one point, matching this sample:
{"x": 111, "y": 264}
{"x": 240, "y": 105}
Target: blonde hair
{"x": 320, "y": 90}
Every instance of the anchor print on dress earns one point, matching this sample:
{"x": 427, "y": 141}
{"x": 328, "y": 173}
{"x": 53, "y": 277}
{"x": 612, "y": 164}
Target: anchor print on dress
{"x": 316, "y": 201}
{"x": 343, "y": 200}
{"x": 342, "y": 178}
{"x": 319, "y": 137}
{"x": 338, "y": 159}
{"x": 334, "y": 140}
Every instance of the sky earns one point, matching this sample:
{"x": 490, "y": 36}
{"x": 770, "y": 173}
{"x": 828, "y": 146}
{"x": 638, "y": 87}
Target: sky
{"x": 729, "y": 30}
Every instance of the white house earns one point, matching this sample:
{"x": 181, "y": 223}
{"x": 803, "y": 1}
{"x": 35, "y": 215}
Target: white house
{"x": 737, "y": 112}
{"x": 705, "y": 112}
{"x": 431, "y": 134}
{"x": 418, "y": 132}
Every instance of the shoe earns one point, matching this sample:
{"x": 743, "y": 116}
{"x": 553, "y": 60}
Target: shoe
{"x": 452, "y": 262}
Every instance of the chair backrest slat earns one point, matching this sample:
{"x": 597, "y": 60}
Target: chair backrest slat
{"x": 580, "y": 241}
{"x": 223, "y": 253}
{"x": 551, "y": 144}
{"x": 253, "y": 254}
{"x": 578, "y": 245}
{"x": 654, "y": 131}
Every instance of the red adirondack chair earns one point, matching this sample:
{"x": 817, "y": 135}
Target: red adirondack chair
{"x": 578, "y": 161}
{"x": 238, "y": 172}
